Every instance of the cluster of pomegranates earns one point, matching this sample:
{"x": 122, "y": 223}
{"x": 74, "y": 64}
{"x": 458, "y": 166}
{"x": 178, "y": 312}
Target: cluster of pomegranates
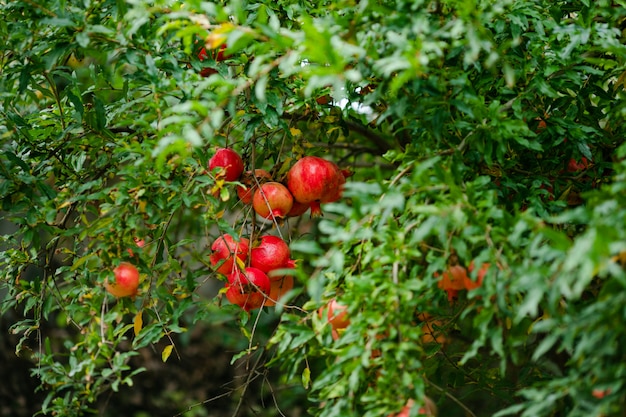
{"x": 257, "y": 274}
{"x": 310, "y": 182}
{"x": 256, "y": 270}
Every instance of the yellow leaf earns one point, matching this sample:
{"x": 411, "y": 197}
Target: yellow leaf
{"x": 167, "y": 351}
{"x": 138, "y": 322}
{"x": 240, "y": 263}
{"x": 306, "y": 377}
{"x": 142, "y": 206}
{"x": 218, "y": 37}
{"x": 295, "y": 132}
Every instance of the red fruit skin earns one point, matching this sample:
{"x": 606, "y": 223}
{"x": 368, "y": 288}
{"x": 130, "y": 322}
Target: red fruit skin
{"x": 600, "y": 393}
{"x": 219, "y": 56}
{"x": 314, "y": 179}
{"x": 298, "y": 209}
{"x": 248, "y": 289}
{"x": 246, "y": 193}
{"x": 272, "y": 200}
{"x": 480, "y": 275}
{"x": 271, "y": 253}
{"x": 452, "y": 281}
{"x": 335, "y": 194}
{"x": 278, "y": 274}
{"x": 429, "y": 409}
{"x": 223, "y": 248}
{"x": 278, "y": 288}
{"x": 207, "y": 72}
{"x": 453, "y": 278}
{"x": 126, "y": 281}
{"x": 230, "y": 163}
{"x": 140, "y": 244}
{"x": 337, "y": 316}
{"x": 575, "y": 166}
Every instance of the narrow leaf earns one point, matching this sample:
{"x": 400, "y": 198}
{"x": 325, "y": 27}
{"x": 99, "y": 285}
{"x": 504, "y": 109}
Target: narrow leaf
{"x": 138, "y": 322}
{"x": 167, "y": 351}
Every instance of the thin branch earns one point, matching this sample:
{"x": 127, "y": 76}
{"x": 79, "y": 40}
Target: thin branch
{"x": 452, "y": 397}
{"x": 382, "y": 143}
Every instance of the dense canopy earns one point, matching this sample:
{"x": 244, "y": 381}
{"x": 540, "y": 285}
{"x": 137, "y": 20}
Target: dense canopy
{"x": 461, "y": 248}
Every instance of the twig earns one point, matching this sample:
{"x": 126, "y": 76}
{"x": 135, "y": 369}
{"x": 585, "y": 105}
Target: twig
{"x": 452, "y": 397}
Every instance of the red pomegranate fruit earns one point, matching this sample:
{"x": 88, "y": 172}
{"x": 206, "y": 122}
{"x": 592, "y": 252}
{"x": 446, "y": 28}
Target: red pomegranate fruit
{"x": 248, "y": 289}
{"x": 126, "y": 281}
{"x": 219, "y": 56}
{"x": 429, "y": 409}
{"x": 271, "y": 253}
{"x": 230, "y": 163}
{"x": 272, "y": 200}
{"x": 223, "y": 249}
{"x": 298, "y": 209}
{"x": 278, "y": 274}
{"x": 278, "y": 289}
{"x": 336, "y": 316}
{"x": 315, "y": 180}
{"x": 574, "y": 166}
{"x": 250, "y": 181}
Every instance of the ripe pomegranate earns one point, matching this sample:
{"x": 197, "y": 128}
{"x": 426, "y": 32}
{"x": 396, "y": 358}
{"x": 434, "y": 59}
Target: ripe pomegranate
{"x": 271, "y": 253}
{"x": 230, "y": 163}
{"x": 126, "y": 281}
{"x": 480, "y": 275}
{"x": 429, "y": 408}
{"x": 453, "y": 280}
{"x": 249, "y": 181}
{"x": 278, "y": 274}
{"x": 219, "y": 56}
{"x": 337, "y": 316}
{"x": 432, "y": 333}
{"x": 207, "y": 72}
{"x": 278, "y": 288}
{"x": 575, "y": 166}
{"x": 248, "y": 289}
{"x": 335, "y": 195}
{"x": 600, "y": 393}
{"x": 272, "y": 200}
{"x": 223, "y": 249}
{"x": 315, "y": 180}
{"x": 140, "y": 244}
{"x": 298, "y": 209}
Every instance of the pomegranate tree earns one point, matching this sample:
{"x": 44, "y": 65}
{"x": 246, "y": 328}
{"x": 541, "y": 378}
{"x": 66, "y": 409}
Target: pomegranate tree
{"x": 315, "y": 180}
{"x": 248, "y": 289}
{"x": 230, "y": 163}
{"x": 223, "y": 249}
{"x": 272, "y": 200}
